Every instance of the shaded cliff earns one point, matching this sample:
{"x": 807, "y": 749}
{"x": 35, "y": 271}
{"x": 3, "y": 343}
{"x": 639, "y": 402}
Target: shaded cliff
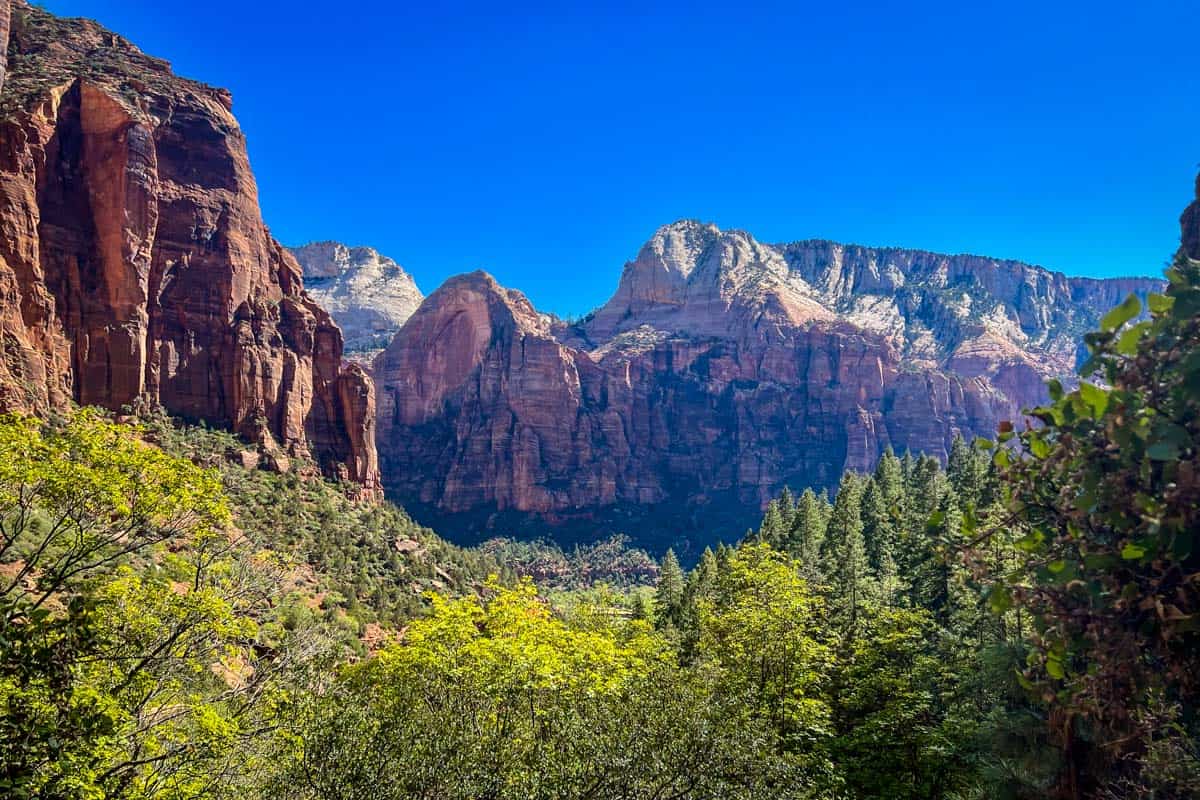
{"x": 721, "y": 370}
{"x": 135, "y": 267}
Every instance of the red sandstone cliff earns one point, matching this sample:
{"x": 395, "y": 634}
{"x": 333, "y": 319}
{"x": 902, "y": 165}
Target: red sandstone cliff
{"x": 5, "y": 20}
{"x": 134, "y": 263}
{"x": 721, "y": 370}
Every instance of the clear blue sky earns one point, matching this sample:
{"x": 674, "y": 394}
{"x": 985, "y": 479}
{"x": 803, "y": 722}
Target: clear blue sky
{"x": 545, "y": 143}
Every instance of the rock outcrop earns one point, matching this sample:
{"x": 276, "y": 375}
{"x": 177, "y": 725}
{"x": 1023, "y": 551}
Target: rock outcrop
{"x": 1190, "y": 225}
{"x": 135, "y": 267}
{"x": 721, "y": 370}
{"x": 5, "y": 22}
{"x": 369, "y": 295}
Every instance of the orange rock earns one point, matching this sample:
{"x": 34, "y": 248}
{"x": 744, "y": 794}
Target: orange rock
{"x": 135, "y": 268}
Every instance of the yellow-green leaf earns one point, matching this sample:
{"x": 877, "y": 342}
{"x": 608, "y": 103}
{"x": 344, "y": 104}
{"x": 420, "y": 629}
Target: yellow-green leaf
{"x": 1121, "y": 314}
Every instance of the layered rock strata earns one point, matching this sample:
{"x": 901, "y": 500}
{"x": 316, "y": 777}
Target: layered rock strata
{"x": 135, "y": 267}
{"x": 721, "y": 370}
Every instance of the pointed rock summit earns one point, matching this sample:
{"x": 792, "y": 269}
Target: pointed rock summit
{"x": 369, "y": 295}
{"x": 692, "y": 277}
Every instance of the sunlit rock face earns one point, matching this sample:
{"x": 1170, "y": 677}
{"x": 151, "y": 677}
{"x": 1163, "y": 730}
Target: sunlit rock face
{"x": 368, "y": 295}
{"x": 135, "y": 267}
{"x": 721, "y": 370}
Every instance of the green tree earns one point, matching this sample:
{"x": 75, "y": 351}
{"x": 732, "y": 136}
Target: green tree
{"x": 889, "y": 476}
{"x": 669, "y": 596}
{"x": 879, "y": 532}
{"x": 1104, "y": 496}
{"x": 773, "y": 529}
{"x": 763, "y": 630}
{"x": 119, "y": 607}
{"x": 844, "y": 553}
{"x": 501, "y": 698}
{"x": 894, "y": 736}
{"x": 787, "y": 511}
{"x": 808, "y": 532}
{"x": 968, "y": 470}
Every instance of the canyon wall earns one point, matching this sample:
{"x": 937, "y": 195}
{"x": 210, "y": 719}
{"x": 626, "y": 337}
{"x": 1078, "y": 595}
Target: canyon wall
{"x": 721, "y": 370}
{"x": 135, "y": 268}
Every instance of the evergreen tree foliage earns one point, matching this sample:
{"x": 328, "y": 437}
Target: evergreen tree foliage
{"x": 787, "y": 511}
{"x": 807, "y": 534}
{"x": 773, "y": 529}
{"x": 968, "y": 470}
{"x": 844, "y": 558}
{"x": 669, "y": 595}
{"x": 879, "y": 531}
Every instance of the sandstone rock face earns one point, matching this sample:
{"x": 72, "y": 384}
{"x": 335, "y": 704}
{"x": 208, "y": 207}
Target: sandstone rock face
{"x": 721, "y": 370}
{"x": 134, "y": 264}
{"x": 5, "y": 21}
{"x": 369, "y": 295}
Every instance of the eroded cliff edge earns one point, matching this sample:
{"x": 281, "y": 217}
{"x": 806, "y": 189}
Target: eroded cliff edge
{"x": 721, "y": 370}
{"x": 135, "y": 267}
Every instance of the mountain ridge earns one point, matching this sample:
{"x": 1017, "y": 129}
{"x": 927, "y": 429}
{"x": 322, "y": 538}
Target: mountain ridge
{"x": 720, "y": 370}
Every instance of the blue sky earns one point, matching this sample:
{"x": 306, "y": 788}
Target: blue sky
{"x": 546, "y": 142}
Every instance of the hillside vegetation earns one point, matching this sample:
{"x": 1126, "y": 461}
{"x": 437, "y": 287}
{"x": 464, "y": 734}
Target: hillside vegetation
{"x": 1020, "y": 624}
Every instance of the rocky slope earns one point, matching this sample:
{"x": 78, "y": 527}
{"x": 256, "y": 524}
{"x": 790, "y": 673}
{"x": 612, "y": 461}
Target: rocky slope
{"x": 135, "y": 267}
{"x": 369, "y": 295}
{"x": 721, "y": 370}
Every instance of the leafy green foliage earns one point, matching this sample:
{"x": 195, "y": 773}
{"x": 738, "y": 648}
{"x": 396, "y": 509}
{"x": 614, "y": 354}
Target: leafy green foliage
{"x": 500, "y": 698}
{"x": 1104, "y": 495}
{"x": 370, "y": 563}
{"x": 127, "y": 658}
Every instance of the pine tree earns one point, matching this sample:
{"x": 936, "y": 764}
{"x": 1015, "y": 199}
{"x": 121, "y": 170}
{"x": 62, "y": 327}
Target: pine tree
{"x": 924, "y": 488}
{"x": 642, "y": 608}
{"x": 879, "y": 533}
{"x": 844, "y": 553}
{"x": 889, "y": 474}
{"x": 724, "y": 552}
{"x": 908, "y": 465}
{"x": 938, "y": 581}
{"x": 787, "y": 509}
{"x": 772, "y": 530}
{"x": 668, "y": 597}
{"x": 699, "y": 585}
{"x": 700, "y": 581}
{"x": 968, "y": 473}
{"x": 807, "y": 533}
{"x": 825, "y": 506}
